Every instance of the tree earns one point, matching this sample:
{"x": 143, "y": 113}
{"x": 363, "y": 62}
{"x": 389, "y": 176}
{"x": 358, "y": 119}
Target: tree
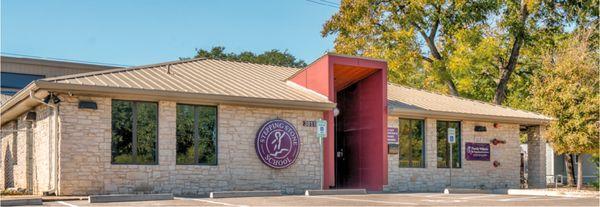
{"x": 567, "y": 88}
{"x": 272, "y": 57}
{"x": 395, "y": 30}
{"x": 467, "y": 48}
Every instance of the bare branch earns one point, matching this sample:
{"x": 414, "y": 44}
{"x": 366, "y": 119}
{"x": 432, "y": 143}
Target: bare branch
{"x": 427, "y": 59}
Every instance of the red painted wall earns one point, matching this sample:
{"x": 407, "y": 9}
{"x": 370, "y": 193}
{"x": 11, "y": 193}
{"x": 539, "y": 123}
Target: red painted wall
{"x": 359, "y": 125}
{"x": 319, "y": 77}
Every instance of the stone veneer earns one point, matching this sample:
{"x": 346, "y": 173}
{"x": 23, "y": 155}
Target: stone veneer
{"x": 472, "y": 174}
{"x": 85, "y": 156}
{"x": 30, "y": 168}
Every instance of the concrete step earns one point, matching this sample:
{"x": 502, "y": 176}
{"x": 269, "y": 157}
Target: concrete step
{"x": 335, "y": 192}
{"x": 129, "y": 197}
{"x": 235, "y": 194}
{"x": 30, "y": 201}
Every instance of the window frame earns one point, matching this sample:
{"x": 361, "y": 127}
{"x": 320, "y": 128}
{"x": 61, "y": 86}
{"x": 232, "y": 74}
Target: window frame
{"x": 134, "y": 132}
{"x": 423, "y": 146}
{"x": 197, "y": 139}
{"x": 458, "y": 143}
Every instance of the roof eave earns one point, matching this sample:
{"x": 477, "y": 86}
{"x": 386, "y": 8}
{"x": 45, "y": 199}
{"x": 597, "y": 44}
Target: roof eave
{"x": 417, "y": 113}
{"x": 20, "y": 103}
{"x": 184, "y": 96}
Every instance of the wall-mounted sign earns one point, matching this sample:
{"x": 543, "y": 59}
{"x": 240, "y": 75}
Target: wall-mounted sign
{"x": 393, "y": 149}
{"x": 277, "y": 143}
{"x": 392, "y": 135}
{"x": 321, "y": 128}
{"x": 309, "y": 123}
{"x": 477, "y": 151}
{"x": 451, "y": 135}
{"x": 479, "y": 128}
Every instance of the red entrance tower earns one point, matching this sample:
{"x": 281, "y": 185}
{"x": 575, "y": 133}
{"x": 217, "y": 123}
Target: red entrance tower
{"x": 355, "y": 150}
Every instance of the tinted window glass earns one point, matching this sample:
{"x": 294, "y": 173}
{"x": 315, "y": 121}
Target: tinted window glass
{"x": 196, "y": 134}
{"x": 443, "y": 148}
{"x": 134, "y": 132}
{"x": 411, "y": 143}
{"x": 17, "y": 80}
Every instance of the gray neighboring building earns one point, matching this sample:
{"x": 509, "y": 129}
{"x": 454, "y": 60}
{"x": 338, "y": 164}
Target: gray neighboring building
{"x": 17, "y": 72}
{"x": 555, "y": 165}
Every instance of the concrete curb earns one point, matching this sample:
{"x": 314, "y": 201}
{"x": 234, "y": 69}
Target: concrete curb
{"x": 534, "y": 192}
{"x": 336, "y": 192}
{"x": 21, "y": 202}
{"x": 235, "y": 194}
{"x": 129, "y": 197}
{"x": 466, "y": 191}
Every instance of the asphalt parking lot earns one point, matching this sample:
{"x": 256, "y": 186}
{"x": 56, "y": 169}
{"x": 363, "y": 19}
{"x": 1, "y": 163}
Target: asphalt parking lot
{"x": 404, "y": 199}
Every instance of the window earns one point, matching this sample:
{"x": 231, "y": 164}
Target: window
{"x": 17, "y": 80}
{"x": 443, "y": 148}
{"x": 8, "y": 92}
{"x": 196, "y": 135}
{"x": 134, "y": 132}
{"x": 411, "y": 143}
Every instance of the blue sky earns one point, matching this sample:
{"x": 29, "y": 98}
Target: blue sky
{"x": 136, "y": 32}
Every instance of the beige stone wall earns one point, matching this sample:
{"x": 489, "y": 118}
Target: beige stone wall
{"x": 472, "y": 174}
{"x": 28, "y": 167}
{"x": 7, "y": 155}
{"x": 42, "y": 149}
{"x": 86, "y": 153}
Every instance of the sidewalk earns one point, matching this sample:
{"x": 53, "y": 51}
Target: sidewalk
{"x": 564, "y": 192}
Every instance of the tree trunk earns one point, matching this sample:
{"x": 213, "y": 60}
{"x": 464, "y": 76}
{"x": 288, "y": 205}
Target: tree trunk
{"x": 508, "y": 69}
{"x": 430, "y": 41}
{"x": 569, "y": 168}
{"x": 579, "y": 172}
{"x": 452, "y": 87}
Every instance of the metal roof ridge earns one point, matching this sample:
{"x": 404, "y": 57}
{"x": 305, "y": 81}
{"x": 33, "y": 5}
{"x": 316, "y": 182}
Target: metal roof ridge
{"x": 118, "y": 70}
{"x": 176, "y": 62}
{"x": 466, "y": 99}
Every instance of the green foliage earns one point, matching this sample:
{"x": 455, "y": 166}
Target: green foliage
{"x": 595, "y": 158}
{"x": 567, "y": 88}
{"x": 122, "y": 132}
{"x": 468, "y": 44}
{"x": 272, "y": 57}
{"x": 202, "y": 120}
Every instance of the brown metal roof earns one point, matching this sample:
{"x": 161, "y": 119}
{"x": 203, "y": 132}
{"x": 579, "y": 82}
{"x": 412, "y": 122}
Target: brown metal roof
{"x": 253, "y": 84}
{"x": 405, "y": 100}
{"x": 202, "y": 76}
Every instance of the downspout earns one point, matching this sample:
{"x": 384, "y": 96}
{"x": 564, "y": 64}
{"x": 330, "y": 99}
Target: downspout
{"x": 53, "y": 131}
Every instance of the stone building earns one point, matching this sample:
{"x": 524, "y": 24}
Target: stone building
{"x": 202, "y": 125}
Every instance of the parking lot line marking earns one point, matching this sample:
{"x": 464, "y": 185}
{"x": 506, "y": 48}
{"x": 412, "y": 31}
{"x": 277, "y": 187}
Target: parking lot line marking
{"x": 434, "y": 195}
{"x": 67, "y": 204}
{"x": 208, "y": 201}
{"x": 479, "y": 196}
{"x": 517, "y": 199}
{"x": 360, "y": 200}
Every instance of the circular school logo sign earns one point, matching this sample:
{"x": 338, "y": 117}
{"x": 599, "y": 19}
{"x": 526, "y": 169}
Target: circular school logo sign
{"x": 277, "y": 143}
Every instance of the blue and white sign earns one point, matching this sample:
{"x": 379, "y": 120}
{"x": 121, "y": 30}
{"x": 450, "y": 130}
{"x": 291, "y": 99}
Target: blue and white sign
{"x": 451, "y": 135}
{"x": 321, "y": 128}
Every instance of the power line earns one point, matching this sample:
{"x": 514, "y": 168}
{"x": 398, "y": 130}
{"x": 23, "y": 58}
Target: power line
{"x": 63, "y": 59}
{"x": 323, "y": 3}
{"x": 330, "y": 2}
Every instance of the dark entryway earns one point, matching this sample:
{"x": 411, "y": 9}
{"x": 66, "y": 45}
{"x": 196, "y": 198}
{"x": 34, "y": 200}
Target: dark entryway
{"x": 357, "y": 134}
